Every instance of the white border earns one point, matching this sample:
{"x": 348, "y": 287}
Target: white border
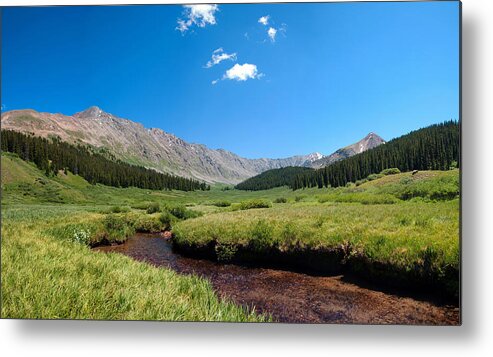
{"x": 474, "y": 338}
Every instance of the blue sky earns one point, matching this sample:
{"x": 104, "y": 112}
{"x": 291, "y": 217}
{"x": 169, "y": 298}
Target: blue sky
{"x": 326, "y": 76}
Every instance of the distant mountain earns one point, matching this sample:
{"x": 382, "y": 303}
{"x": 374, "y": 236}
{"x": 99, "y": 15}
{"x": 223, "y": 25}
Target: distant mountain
{"x": 153, "y": 148}
{"x": 435, "y": 147}
{"x": 370, "y": 141}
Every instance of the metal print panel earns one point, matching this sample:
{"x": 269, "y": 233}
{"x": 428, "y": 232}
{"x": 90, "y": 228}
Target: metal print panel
{"x": 284, "y": 163}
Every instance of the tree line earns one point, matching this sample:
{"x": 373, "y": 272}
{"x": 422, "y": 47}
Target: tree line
{"x": 53, "y": 155}
{"x": 435, "y": 147}
{"x": 272, "y": 178}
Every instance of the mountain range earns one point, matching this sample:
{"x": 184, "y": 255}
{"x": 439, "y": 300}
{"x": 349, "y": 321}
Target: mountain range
{"x": 154, "y": 148}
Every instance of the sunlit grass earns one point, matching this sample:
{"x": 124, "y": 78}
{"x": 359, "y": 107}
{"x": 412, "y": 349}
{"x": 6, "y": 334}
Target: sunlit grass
{"x": 48, "y": 277}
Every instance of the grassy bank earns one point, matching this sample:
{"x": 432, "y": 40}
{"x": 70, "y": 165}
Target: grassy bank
{"x": 410, "y": 243}
{"x": 45, "y": 275}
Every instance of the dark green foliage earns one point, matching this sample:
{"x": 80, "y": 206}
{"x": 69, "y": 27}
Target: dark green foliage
{"x": 221, "y": 203}
{"x": 432, "y": 148}
{"x": 281, "y": 200}
{"x": 272, "y": 178}
{"x": 53, "y": 155}
{"x": 166, "y": 220}
{"x": 181, "y": 212}
{"x": 119, "y": 209}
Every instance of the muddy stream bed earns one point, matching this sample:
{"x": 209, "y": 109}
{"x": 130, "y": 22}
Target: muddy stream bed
{"x": 294, "y": 297}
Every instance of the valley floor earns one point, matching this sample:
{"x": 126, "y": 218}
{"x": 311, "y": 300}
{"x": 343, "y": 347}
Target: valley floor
{"x": 400, "y": 229}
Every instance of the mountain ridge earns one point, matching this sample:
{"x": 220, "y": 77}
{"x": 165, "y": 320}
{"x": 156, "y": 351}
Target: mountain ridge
{"x": 154, "y": 148}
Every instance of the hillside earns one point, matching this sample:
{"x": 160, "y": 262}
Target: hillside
{"x": 435, "y": 147}
{"x": 53, "y": 155}
{"x": 272, "y": 178}
{"x": 131, "y": 142}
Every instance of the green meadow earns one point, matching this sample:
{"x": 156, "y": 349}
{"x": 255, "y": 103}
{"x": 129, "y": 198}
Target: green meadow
{"x": 400, "y": 227}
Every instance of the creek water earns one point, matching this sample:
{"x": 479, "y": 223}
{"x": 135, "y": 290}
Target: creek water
{"x": 290, "y": 296}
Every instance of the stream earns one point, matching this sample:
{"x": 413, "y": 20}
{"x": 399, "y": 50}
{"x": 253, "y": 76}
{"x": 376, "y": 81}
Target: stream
{"x": 290, "y": 296}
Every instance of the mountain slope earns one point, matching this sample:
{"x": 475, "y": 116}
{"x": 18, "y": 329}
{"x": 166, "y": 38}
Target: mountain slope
{"x": 154, "y": 148}
{"x": 436, "y": 147}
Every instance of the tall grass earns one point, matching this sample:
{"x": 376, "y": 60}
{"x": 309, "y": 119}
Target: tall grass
{"x": 420, "y": 239}
{"x": 48, "y": 277}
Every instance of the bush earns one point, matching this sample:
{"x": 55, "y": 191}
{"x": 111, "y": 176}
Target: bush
{"x": 153, "y": 208}
{"x": 119, "y": 209}
{"x": 166, "y": 220}
{"x": 221, "y": 203}
{"x": 256, "y": 203}
{"x": 116, "y": 228}
{"x": 391, "y": 171}
{"x": 148, "y": 224}
{"x": 281, "y": 200}
{"x": 372, "y": 177}
{"x": 261, "y": 235}
{"x": 181, "y": 212}
{"x": 360, "y": 182}
{"x": 299, "y": 198}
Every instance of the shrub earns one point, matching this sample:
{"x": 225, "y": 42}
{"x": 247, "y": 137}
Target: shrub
{"x": 299, "y": 198}
{"x": 116, "y": 228}
{"x": 149, "y": 224}
{"x": 221, "y": 203}
{"x": 360, "y": 182}
{"x": 281, "y": 200}
{"x": 391, "y": 171}
{"x": 261, "y": 234}
{"x": 256, "y": 203}
{"x": 119, "y": 209}
{"x": 166, "y": 220}
{"x": 153, "y": 208}
{"x": 181, "y": 212}
{"x": 372, "y": 177}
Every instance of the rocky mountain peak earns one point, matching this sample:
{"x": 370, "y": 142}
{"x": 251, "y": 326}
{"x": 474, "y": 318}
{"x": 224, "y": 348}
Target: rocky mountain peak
{"x": 314, "y": 156}
{"x": 91, "y": 112}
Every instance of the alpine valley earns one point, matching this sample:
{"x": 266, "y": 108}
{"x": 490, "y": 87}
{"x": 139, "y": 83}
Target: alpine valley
{"x": 154, "y": 148}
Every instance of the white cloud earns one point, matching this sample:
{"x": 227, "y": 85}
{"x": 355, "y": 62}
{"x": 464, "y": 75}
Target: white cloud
{"x": 218, "y": 56}
{"x": 199, "y": 15}
{"x": 264, "y": 20}
{"x": 242, "y": 72}
{"x": 272, "y": 34}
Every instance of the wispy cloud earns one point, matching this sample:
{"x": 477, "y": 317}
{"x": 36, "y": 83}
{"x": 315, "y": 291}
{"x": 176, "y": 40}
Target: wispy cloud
{"x": 264, "y": 20}
{"x": 198, "y": 15}
{"x": 218, "y": 56}
{"x": 273, "y": 30}
{"x": 272, "y": 34}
